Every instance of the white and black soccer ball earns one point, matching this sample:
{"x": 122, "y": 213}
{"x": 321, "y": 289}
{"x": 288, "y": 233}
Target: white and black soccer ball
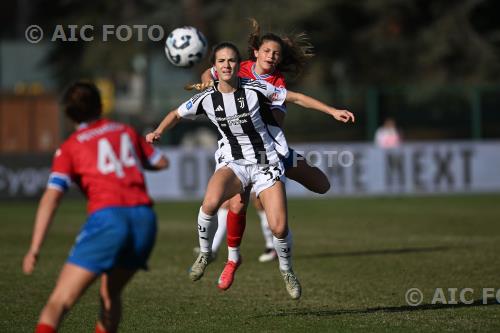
{"x": 185, "y": 46}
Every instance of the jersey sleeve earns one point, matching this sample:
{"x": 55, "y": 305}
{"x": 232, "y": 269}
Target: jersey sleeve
{"x": 280, "y": 82}
{"x": 148, "y": 154}
{"x": 62, "y": 170}
{"x": 192, "y": 107}
{"x": 276, "y": 95}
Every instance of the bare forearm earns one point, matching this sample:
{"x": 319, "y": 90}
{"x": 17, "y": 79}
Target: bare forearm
{"x": 312, "y": 103}
{"x": 308, "y": 102}
{"x": 168, "y": 122}
{"x": 44, "y": 216}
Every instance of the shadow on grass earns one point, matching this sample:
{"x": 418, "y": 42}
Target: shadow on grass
{"x": 372, "y": 252}
{"x": 389, "y": 309}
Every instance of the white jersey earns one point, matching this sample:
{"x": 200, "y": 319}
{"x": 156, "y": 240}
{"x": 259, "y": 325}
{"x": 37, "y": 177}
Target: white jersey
{"x": 244, "y": 120}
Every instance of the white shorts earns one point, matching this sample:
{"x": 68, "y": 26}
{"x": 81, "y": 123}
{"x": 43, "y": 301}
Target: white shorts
{"x": 260, "y": 177}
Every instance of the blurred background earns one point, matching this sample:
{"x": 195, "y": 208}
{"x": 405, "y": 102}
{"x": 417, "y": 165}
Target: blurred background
{"x": 430, "y": 66}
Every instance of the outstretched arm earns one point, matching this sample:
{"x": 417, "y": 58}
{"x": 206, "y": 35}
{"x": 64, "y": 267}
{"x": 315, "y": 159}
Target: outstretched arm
{"x": 44, "y": 216}
{"x": 312, "y": 103}
{"x": 171, "y": 119}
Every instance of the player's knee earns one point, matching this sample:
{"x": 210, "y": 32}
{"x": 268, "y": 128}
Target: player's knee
{"x": 210, "y": 206}
{"x": 279, "y": 229}
{"x": 62, "y": 301}
{"x": 237, "y": 207}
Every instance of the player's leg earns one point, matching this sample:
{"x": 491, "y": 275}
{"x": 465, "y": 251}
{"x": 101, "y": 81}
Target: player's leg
{"x": 220, "y": 235}
{"x": 112, "y": 285}
{"x": 269, "y": 252}
{"x": 222, "y": 185}
{"x": 274, "y": 201}
{"x": 236, "y": 222}
{"x": 97, "y": 246}
{"x": 134, "y": 254}
{"x": 71, "y": 284}
{"x": 311, "y": 177}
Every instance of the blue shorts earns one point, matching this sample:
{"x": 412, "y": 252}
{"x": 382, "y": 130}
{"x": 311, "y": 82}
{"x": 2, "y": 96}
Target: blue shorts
{"x": 115, "y": 237}
{"x": 290, "y": 160}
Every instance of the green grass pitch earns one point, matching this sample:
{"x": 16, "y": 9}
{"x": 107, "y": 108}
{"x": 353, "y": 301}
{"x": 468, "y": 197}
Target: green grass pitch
{"x": 355, "y": 257}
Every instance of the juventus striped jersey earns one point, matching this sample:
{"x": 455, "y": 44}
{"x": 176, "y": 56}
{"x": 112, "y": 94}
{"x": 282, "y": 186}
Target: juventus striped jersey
{"x": 243, "y": 119}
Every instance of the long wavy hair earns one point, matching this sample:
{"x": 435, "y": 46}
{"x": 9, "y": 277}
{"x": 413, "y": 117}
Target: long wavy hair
{"x": 295, "y": 48}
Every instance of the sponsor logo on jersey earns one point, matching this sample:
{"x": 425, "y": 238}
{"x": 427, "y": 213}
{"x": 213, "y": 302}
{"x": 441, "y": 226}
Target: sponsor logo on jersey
{"x": 237, "y": 119}
{"x": 189, "y": 105}
{"x": 219, "y": 108}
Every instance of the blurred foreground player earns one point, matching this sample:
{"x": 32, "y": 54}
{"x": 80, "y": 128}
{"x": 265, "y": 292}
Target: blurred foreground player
{"x": 105, "y": 159}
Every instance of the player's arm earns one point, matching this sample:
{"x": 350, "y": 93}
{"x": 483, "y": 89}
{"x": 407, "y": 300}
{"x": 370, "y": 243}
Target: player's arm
{"x": 157, "y": 162}
{"x": 161, "y": 164}
{"x": 312, "y": 103}
{"x": 44, "y": 216}
{"x": 206, "y": 76}
{"x": 170, "y": 120}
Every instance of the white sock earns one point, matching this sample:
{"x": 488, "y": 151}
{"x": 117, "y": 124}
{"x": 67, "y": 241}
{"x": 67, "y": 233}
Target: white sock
{"x": 266, "y": 232}
{"x": 233, "y": 253}
{"x": 220, "y": 235}
{"x": 207, "y": 225}
{"x": 283, "y": 248}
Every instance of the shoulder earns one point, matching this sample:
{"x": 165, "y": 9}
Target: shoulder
{"x": 247, "y": 64}
{"x": 246, "y": 69}
{"x": 208, "y": 91}
{"x": 254, "y": 84}
{"x": 279, "y": 80}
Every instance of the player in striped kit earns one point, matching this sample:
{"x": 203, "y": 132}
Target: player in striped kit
{"x": 246, "y": 155}
{"x": 269, "y": 55}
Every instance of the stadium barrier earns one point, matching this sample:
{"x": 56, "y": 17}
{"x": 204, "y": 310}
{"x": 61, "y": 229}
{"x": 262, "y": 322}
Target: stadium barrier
{"x": 358, "y": 169}
{"x": 433, "y": 167}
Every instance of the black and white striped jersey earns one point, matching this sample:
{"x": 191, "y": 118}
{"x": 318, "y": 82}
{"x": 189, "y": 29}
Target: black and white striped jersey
{"x": 244, "y": 120}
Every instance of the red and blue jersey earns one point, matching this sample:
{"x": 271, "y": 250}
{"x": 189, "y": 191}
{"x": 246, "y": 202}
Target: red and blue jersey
{"x": 105, "y": 160}
{"x": 247, "y": 71}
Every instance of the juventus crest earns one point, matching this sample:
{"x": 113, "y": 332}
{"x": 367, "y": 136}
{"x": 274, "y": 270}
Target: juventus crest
{"x": 241, "y": 100}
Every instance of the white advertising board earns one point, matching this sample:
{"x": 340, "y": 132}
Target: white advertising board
{"x": 357, "y": 169}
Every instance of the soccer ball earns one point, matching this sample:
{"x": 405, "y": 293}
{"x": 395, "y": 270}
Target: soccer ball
{"x": 185, "y": 46}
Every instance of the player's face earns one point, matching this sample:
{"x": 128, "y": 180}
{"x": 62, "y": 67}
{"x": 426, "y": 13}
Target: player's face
{"x": 268, "y": 56}
{"x": 226, "y": 64}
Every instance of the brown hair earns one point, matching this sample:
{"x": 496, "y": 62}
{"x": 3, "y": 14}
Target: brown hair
{"x": 82, "y": 102}
{"x": 295, "y": 48}
{"x": 224, "y": 45}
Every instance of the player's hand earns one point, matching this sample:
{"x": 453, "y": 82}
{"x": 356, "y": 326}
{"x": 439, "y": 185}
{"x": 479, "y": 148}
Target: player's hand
{"x": 342, "y": 115}
{"x": 152, "y": 137}
{"x": 29, "y": 262}
{"x": 199, "y": 86}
